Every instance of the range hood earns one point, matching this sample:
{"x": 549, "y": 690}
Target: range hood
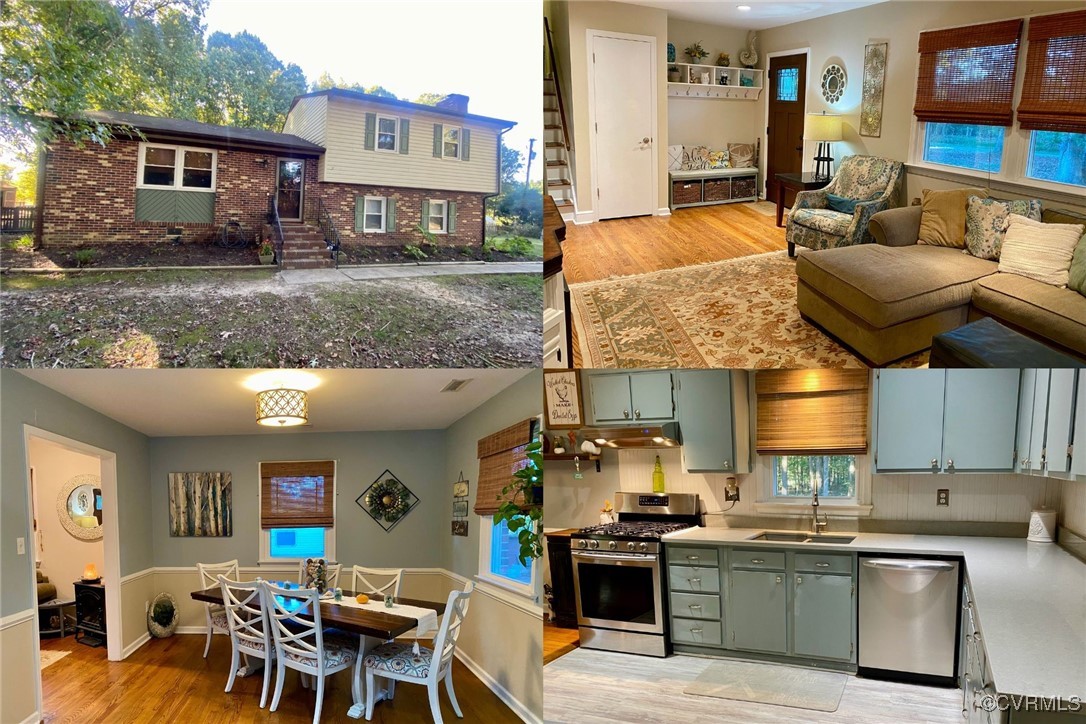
{"x": 644, "y": 436}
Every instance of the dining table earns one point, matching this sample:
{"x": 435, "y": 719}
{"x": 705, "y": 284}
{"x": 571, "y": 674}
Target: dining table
{"x": 373, "y": 628}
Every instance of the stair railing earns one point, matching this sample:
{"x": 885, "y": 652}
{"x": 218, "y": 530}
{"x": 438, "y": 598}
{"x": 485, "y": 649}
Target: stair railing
{"x": 557, "y": 86}
{"x": 276, "y": 227}
{"x": 331, "y": 233}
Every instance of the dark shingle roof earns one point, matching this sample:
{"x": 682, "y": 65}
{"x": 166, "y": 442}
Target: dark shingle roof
{"x": 396, "y": 103}
{"x": 153, "y": 126}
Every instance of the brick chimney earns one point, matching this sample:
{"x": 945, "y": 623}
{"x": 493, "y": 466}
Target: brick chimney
{"x": 454, "y": 102}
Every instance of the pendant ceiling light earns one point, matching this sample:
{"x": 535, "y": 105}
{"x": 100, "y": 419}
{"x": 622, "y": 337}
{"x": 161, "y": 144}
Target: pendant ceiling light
{"x": 282, "y": 407}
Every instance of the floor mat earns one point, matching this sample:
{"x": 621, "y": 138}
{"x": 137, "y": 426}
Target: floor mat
{"x": 51, "y": 657}
{"x": 771, "y": 684}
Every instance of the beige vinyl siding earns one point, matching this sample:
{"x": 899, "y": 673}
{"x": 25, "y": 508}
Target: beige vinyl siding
{"x": 307, "y": 119}
{"x": 347, "y": 161}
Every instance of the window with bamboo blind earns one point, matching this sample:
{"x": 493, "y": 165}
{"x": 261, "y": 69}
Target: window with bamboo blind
{"x": 967, "y": 74}
{"x": 500, "y": 456}
{"x": 1054, "y": 91}
{"x": 812, "y": 412}
{"x": 297, "y": 494}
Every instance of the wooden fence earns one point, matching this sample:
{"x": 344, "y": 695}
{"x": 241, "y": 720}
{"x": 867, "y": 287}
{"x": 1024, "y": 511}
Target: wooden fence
{"x": 14, "y": 219}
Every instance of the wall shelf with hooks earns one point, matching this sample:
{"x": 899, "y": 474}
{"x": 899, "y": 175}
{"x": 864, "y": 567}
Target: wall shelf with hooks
{"x": 723, "y": 83}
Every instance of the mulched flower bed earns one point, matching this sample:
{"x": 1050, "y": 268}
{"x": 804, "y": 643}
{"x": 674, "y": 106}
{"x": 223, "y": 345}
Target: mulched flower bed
{"x": 128, "y": 255}
{"x": 350, "y": 253}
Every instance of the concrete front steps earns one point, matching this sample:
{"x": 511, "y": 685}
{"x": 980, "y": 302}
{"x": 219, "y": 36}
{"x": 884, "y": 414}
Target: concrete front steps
{"x": 304, "y": 248}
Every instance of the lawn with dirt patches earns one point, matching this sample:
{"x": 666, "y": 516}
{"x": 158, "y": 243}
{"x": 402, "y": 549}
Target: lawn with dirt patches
{"x": 136, "y": 254}
{"x": 252, "y": 319}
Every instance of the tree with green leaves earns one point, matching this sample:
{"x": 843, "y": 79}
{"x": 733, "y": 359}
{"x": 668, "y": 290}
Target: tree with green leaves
{"x": 512, "y": 163}
{"x": 249, "y": 86}
{"x": 431, "y": 99}
{"x": 26, "y": 185}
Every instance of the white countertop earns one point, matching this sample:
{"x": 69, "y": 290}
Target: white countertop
{"x": 1030, "y": 600}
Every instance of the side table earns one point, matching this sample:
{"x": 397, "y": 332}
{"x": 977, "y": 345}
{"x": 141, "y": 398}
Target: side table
{"x": 51, "y": 617}
{"x": 795, "y": 182}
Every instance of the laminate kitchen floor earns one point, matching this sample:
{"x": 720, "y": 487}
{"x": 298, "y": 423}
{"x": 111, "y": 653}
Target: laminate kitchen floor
{"x": 558, "y": 641}
{"x": 588, "y": 686}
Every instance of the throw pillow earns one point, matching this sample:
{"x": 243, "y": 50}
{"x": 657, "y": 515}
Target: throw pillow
{"x": 742, "y": 155}
{"x": 1077, "y": 274}
{"x": 986, "y": 223}
{"x": 696, "y": 158}
{"x": 674, "y": 157}
{"x": 841, "y": 203}
{"x": 942, "y": 221}
{"x": 1039, "y": 251}
{"x": 719, "y": 159}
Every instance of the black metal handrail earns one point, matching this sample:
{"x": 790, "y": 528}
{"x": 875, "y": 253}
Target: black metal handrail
{"x": 277, "y": 227}
{"x": 331, "y": 233}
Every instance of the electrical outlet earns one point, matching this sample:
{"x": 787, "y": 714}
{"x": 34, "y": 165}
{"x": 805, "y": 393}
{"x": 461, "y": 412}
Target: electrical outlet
{"x": 942, "y": 496}
{"x": 731, "y": 491}
{"x": 20, "y": 546}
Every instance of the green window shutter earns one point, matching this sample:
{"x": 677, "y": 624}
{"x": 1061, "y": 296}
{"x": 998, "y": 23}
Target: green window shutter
{"x": 405, "y": 133}
{"x": 390, "y": 214}
{"x": 451, "y": 223}
{"x": 425, "y": 215}
{"x": 359, "y": 213}
{"x": 437, "y": 140}
{"x": 465, "y": 144}
{"x": 371, "y": 131}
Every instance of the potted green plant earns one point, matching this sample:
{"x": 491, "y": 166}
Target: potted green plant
{"x": 522, "y": 504}
{"x": 673, "y": 74}
{"x": 266, "y": 252}
{"x": 695, "y": 52}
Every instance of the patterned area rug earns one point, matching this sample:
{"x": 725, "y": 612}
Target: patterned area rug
{"x": 739, "y": 313}
{"x": 51, "y": 657}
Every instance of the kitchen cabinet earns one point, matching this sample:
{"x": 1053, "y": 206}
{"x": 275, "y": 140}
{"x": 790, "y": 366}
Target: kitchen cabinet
{"x": 1078, "y": 462}
{"x": 1045, "y": 405}
{"x": 694, "y": 596}
{"x": 623, "y": 398}
{"x": 759, "y": 611}
{"x": 822, "y": 614}
{"x": 714, "y": 420}
{"x": 562, "y": 597}
{"x": 976, "y": 677}
{"x": 958, "y": 420}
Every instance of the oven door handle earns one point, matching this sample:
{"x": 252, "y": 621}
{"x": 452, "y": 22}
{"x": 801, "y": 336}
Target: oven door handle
{"x": 641, "y": 557}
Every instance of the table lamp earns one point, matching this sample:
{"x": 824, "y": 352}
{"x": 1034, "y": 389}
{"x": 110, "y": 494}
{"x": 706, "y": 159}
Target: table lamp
{"x": 824, "y": 129}
{"x": 90, "y": 573}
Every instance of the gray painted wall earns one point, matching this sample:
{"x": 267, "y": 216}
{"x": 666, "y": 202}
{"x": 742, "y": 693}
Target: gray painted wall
{"x": 23, "y": 401}
{"x": 415, "y": 457}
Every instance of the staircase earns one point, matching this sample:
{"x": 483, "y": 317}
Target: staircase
{"x": 304, "y": 247}
{"x": 557, "y": 140}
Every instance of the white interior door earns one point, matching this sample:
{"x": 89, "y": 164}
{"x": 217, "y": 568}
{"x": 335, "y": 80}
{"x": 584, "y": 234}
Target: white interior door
{"x": 624, "y": 110}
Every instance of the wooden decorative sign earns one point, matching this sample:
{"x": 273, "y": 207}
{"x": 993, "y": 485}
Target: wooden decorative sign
{"x": 562, "y": 399}
{"x": 460, "y": 506}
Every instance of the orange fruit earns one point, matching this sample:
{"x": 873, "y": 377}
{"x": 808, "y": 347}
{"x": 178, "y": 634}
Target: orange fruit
{"x": 362, "y": 598}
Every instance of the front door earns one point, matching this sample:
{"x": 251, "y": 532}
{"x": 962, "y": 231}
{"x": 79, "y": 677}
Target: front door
{"x": 623, "y": 78}
{"x": 289, "y": 188}
{"x": 787, "y": 101}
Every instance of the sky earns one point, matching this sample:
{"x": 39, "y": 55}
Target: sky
{"x": 490, "y": 51}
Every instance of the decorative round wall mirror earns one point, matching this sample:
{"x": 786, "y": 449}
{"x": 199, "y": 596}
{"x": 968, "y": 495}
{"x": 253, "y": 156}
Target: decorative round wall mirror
{"x": 79, "y": 507}
{"x": 833, "y": 83}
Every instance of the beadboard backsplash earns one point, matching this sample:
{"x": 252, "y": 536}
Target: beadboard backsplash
{"x": 1073, "y": 510}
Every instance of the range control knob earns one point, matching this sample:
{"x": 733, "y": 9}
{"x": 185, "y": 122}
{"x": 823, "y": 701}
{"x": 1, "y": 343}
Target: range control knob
{"x": 612, "y": 545}
{"x": 630, "y": 546}
{"x": 582, "y": 544}
{"x": 594, "y": 543}
{"x": 643, "y": 546}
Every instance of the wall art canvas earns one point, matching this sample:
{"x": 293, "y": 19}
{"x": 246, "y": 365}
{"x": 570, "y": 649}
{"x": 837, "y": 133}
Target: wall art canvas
{"x": 874, "y": 81}
{"x": 201, "y": 505}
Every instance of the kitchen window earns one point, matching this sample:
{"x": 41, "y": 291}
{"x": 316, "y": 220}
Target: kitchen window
{"x": 297, "y": 510}
{"x": 450, "y": 143}
{"x": 438, "y": 216}
{"x": 388, "y": 136}
{"x": 176, "y": 167}
{"x": 373, "y": 219}
{"x": 799, "y": 476}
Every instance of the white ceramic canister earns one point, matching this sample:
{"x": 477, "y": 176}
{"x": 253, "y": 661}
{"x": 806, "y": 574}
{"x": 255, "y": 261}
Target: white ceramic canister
{"x": 1042, "y": 526}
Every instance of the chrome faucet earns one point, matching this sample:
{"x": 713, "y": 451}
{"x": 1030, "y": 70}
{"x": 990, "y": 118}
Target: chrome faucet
{"x": 816, "y": 524}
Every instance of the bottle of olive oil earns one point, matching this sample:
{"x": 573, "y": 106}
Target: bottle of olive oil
{"x": 657, "y": 477}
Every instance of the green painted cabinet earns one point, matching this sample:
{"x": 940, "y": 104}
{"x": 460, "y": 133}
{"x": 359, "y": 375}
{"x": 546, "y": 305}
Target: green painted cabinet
{"x": 714, "y": 420}
{"x": 910, "y": 420}
{"x": 1045, "y": 421}
{"x": 623, "y": 398}
{"x": 822, "y": 606}
{"x": 1078, "y": 462}
{"x": 695, "y": 602}
{"x": 758, "y": 611}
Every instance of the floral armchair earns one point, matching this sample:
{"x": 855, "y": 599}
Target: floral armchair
{"x": 872, "y": 182}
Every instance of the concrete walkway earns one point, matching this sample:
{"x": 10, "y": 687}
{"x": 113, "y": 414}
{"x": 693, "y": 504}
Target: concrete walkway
{"x": 407, "y": 271}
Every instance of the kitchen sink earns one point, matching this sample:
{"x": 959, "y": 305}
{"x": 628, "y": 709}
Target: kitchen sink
{"x": 805, "y": 538}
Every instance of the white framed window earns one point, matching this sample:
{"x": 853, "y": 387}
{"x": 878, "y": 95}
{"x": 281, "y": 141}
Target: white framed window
{"x": 176, "y": 167}
{"x": 388, "y": 133}
{"x": 499, "y": 562}
{"x": 438, "y": 219}
{"x": 373, "y": 214}
{"x": 450, "y": 142}
{"x": 785, "y": 484}
{"x": 968, "y": 146}
{"x": 1057, "y": 157}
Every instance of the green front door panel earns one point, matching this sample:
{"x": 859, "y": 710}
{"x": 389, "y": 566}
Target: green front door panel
{"x": 758, "y": 617}
{"x": 610, "y": 396}
{"x": 651, "y": 396}
{"x": 176, "y": 207}
{"x": 910, "y": 420}
{"x": 705, "y": 420}
{"x": 822, "y": 616}
{"x": 979, "y": 420}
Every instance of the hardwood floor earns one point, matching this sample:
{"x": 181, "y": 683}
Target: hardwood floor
{"x": 169, "y": 680}
{"x": 558, "y": 641}
{"x": 620, "y": 247}
{"x": 594, "y": 687}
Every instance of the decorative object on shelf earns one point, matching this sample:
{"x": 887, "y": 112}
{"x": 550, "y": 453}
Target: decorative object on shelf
{"x": 607, "y": 513}
{"x": 874, "y": 81}
{"x": 694, "y": 78}
{"x": 671, "y": 52}
{"x": 387, "y": 500}
{"x": 706, "y": 78}
{"x": 562, "y": 395}
{"x": 826, "y": 130}
{"x": 201, "y": 505}
{"x": 90, "y": 574}
{"x": 746, "y": 81}
{"x": 724, "y": 60}
{"x": 695, "y": 52}
{"x": 79, "y": 506}
{"x": 673, "y": 74}
{"x": 282, "y": 407}
{"x": 749, "y": 56}
{"x": 833, "y": 83}
{"x": 163, "y": 615}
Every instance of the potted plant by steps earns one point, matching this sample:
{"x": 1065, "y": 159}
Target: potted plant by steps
{"x": 672, "y": 74}
{"x": 163, "y": 616}
{"x": 522, "y": 504}
{"x": 266, "y": 253}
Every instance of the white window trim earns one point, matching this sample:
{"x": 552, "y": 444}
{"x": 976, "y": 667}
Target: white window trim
{"x": 459, "y": 142}
{"x": 178, "y": 167}
{"x": 265, "y": 534}
{"x": 384, "y": 214}
{"x": 396, "y": 134}
{"x": 858, "y": 507}
{"x": 444, "y": 215}
{"x": 524, "y": 590}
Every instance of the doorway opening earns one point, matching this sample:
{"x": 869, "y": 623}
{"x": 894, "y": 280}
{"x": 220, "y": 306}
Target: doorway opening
{"x": 785, "y": 111}
{"x": 289, "y": 188}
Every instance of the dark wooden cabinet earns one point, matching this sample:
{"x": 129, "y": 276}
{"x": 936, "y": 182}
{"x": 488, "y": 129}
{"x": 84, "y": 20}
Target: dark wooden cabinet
{"x": 90, "y": 613}
{"x": 561, "y": 592}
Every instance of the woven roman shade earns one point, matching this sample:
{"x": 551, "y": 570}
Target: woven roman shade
{"x": 812, "y": 412}
{"x": 297, "y": 494}
{"x": 500, "y": 456}
{"x": 1054, "y": 92}
{"x": 967, "y": 74}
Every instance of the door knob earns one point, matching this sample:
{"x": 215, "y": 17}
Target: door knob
{"x": 646, "y": 139}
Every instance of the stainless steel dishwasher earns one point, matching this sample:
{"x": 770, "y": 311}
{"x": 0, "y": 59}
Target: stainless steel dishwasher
{"x": 908, "y": 628}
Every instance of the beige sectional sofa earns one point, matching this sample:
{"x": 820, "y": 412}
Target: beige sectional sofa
{"x": 887, "y": 300}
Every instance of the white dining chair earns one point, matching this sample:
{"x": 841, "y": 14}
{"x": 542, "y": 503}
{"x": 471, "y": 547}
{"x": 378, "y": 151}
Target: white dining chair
{"x": 215, "y": 613}
{"x": 304, "y": 646}
{"x": 385, "y": 581}
{"x": 331, "y": 572}
{"x": 398, "y": 661}
{"x": 250, "y": 635}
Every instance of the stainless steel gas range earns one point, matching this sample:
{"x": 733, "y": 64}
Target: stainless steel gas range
{"x": 619, "y": 573}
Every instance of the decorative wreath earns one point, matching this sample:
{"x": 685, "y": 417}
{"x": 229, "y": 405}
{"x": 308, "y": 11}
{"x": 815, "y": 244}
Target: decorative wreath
{"x": 388, "y": 499}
